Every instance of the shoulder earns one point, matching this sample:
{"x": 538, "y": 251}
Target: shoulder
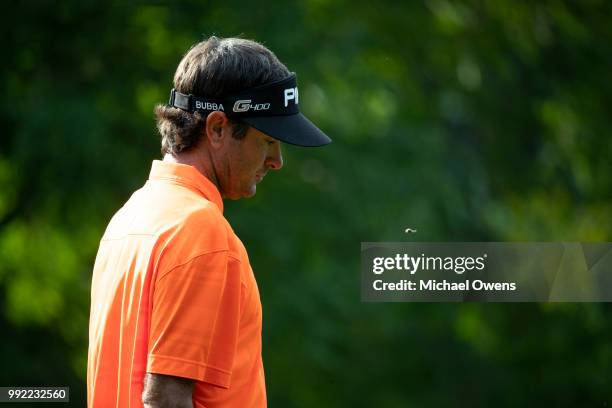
{"x": 204, "y": 224}
{"x": 196, "y": 231}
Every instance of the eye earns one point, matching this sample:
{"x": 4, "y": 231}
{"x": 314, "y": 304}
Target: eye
{"x": 271, "y": 142}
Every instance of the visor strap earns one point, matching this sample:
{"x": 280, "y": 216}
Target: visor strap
{"x": 179, "y": 100}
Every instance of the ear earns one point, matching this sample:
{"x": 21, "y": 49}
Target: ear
{"x": 216, "y": 129}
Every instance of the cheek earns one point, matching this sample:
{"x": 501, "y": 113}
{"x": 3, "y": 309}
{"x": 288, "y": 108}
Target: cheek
{"x": 251, "y": 164}
{"x": 265, "y": 152}
{"x": 258, "y": 158}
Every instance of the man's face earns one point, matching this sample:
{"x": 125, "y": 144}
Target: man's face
{"x": 246, "y": 163}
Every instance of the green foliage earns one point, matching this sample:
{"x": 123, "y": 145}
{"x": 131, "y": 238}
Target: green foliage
{"x": 465, "y": 120}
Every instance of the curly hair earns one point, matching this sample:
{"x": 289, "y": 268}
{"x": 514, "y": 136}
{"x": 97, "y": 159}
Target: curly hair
{"x": 214, "y": 68}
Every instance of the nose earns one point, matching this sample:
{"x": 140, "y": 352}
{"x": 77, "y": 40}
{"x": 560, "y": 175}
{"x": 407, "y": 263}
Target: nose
{"x": 275, "y": 157}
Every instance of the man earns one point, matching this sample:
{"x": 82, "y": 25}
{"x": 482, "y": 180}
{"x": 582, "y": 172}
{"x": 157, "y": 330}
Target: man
{"x": 175, "y": 310}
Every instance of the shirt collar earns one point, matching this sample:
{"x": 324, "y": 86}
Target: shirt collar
{"x": 188, "y": 176}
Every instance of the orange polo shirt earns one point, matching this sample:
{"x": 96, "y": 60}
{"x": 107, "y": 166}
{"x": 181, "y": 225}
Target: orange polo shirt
{"x": 173, "y": 293}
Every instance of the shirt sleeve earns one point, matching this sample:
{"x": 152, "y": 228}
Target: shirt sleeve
{"x": 195, "y": 319}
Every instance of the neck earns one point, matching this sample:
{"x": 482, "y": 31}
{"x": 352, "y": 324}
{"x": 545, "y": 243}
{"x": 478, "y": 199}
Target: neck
{"x": 198, "y": 158}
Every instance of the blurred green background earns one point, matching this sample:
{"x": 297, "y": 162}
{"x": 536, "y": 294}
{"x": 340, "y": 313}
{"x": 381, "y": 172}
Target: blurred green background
{"x": 468, "y": 121}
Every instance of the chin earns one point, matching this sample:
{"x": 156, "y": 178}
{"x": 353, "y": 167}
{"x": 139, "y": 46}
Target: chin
{"x": 251, "y": 192}
{"x": 247, "y": 193}
{"x": 237, "y": 194}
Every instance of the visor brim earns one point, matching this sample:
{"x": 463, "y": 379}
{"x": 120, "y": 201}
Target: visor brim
{"x": 293, "y": 129}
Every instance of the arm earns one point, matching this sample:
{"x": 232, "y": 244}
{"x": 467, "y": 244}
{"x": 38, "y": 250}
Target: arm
{"x": 162, "y": 391}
